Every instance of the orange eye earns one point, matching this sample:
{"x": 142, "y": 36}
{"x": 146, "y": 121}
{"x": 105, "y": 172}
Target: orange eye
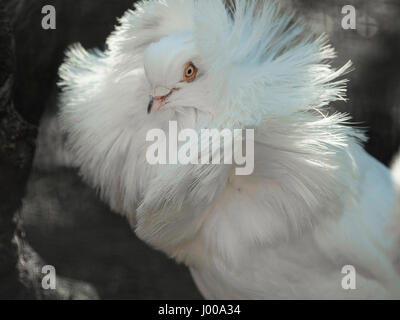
{"x": 190, "y": 72}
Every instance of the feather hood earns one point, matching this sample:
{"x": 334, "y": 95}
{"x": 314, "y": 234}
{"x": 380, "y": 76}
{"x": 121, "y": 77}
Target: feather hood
{"x": 263, "y": 71}
{"x": 258, "y": 61}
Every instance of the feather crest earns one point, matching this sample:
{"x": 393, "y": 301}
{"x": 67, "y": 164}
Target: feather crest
{"x": 149, "y": 22}
{"x": 271, "y": 67}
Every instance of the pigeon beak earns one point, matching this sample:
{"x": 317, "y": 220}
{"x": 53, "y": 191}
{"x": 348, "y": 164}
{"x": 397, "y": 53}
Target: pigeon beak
{"x": 159, "y": 100}
{"x": 150, "y": 106}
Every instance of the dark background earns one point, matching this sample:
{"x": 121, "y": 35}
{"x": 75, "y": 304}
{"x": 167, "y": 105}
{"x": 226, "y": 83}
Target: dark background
{"x": 94, "y": 251}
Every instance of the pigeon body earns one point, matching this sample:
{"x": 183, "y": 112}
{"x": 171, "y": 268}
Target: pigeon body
{"x": 316, "y": 200}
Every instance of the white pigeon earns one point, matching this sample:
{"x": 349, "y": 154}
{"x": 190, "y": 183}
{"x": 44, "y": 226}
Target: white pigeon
{"x": 316, "y": 203}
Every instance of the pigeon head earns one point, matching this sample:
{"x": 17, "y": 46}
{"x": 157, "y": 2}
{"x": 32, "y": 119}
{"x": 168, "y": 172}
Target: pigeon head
{"x": 172, "y": 68}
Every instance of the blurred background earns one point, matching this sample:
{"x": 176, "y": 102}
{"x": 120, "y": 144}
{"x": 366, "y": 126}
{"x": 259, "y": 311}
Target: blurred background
{"x": 60, "y": 221}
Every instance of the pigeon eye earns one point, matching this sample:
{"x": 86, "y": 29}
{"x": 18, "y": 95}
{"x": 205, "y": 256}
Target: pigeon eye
{"x": 190, "y": 72}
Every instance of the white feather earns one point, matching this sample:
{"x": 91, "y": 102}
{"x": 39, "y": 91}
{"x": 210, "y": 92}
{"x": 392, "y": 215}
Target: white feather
{"x": 315, "y": 202}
